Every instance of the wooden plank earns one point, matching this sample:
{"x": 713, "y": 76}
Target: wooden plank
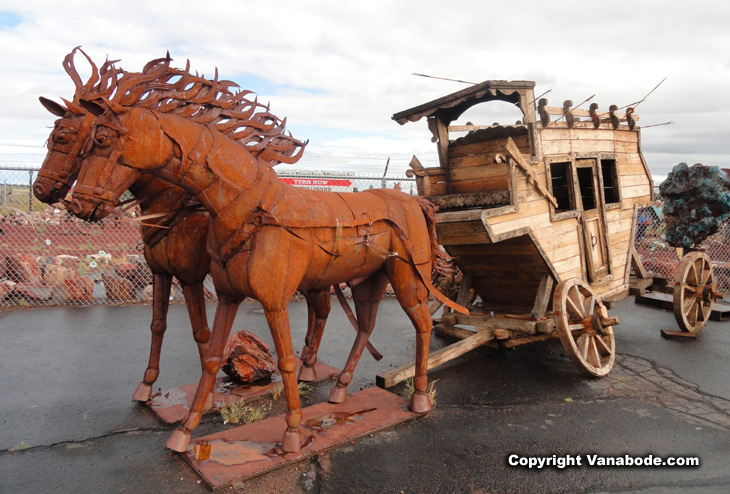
{"x": 498, "y": 172}
{"x": 590, "y": 146}
{"x": 629, "y": 180}
{"x": 636, "y": 191}
{"x": 479, "y": 185}
{"x": 566, "y": 265}
{"x": 392, "y": 377}
{"x": 497, "y": 249}
{"x": 556, "y": 147}
{"x": 481, "y": 147}
{"x": 544, "y": 291}
{"x": 637, "y": 265}
{"x": 631, "y": 169}
{"x": 524, "y": 211}
{"x": 473, "y": 160}
{"x": 679, "y": 335}
{"x": 464, "y": 239}
{"x": 534, "y": 222}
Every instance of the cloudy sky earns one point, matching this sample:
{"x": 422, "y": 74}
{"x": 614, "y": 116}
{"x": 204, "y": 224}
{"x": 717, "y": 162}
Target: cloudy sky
{"x": 339, "y": 70}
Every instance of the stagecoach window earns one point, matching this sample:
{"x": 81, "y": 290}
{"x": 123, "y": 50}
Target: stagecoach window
{"x": 562, "y": 186}
{"x": 585, "y": 183}
{"x": 610, "y": 182}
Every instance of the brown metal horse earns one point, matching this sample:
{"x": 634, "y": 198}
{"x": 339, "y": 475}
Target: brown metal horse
{"x": 267, "y": 239}
{"x": 175, "y": 242}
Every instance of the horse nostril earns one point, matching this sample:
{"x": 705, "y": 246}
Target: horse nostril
{"x": 40, "y": 191}
{"x": 76, "y": 207}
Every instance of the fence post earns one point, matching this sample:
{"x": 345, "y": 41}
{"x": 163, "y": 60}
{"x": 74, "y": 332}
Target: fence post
{"x": 30, "y": 190}
{"x": 385, "y": 172}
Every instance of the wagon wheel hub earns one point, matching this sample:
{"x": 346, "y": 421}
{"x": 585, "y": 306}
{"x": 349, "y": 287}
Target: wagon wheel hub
{"x": 694, "y": 292}
{"x": 584, "y": 328}
{"x": 598, "y": 322}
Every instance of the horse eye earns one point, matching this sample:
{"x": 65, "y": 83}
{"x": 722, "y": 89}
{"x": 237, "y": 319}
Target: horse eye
{"x": 61, "y": 137}
{"x": 103, "y": 137}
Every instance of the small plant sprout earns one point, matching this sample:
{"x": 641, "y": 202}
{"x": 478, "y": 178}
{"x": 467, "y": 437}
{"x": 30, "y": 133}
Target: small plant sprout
{"x": 239, "y": 412}
{"x": 430, "y": 390}
{"x": 22, "y": 445}
{"x": 304, "y": 389}
{"x": 276, "y": 390}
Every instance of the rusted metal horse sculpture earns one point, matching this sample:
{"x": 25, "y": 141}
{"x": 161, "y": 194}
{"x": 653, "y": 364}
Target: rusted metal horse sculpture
{"x": 176, "y": 231}
{"x": 267, "y": 239}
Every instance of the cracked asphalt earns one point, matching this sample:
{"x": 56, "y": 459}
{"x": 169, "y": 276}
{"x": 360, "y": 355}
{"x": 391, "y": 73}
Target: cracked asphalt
{"x": 68, "y": 375}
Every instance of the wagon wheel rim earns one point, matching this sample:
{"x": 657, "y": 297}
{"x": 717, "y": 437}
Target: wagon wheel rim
{"x": 592, "y": 350}
{"x": 694, "y": 277}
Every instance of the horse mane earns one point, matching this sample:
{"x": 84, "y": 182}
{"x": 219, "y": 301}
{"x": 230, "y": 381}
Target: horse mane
{"x": 214, "y": 103}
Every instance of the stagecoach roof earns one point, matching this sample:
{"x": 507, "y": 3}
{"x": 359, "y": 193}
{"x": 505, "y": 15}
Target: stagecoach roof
{"x": 450, "y": 107}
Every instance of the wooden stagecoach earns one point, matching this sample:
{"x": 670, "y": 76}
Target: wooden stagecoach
{"x": 540, "y": 218}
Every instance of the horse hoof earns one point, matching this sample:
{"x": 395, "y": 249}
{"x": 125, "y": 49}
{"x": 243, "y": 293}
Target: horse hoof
{"x": 419, "y": 403}
{"x": 291, "y": 442}
{"x": 306, "y": 374}
{"x": 338, "y": 394}
{"x": 142, "y": 393}
{"x": 209, "y": 402}
{"x": 178, "y": 441}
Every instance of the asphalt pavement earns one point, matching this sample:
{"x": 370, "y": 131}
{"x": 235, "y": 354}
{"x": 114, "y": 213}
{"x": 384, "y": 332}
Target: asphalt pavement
{"x": 69, "y": 425}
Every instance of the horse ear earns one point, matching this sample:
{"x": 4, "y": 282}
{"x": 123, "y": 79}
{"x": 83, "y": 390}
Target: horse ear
{"x": 93, "y": 108}
{"x": 52, "y": 107}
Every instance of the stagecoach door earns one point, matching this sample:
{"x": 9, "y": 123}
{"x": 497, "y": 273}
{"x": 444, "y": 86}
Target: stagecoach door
{"x": 593, "y": 217}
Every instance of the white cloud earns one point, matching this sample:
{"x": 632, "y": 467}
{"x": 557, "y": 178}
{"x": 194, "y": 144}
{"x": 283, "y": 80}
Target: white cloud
{"x": 339, "y": 70}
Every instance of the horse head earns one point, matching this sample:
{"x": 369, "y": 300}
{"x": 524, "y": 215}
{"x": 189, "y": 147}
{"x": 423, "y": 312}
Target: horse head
{"x": 66, "y": 145}
{"x": 123, "y": 144}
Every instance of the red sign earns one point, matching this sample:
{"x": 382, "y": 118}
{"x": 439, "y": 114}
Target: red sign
{"x": 316, "y": 182}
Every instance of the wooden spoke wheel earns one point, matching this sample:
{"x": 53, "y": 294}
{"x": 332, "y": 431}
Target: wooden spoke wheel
{"x": 584, "y": 327}
{"x": 694, "y": 289}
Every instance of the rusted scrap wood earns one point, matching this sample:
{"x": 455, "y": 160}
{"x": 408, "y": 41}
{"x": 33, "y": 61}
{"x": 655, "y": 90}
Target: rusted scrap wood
{"x": 394, "y": 376}
{"x": 346, "y": 307}
{"x": 679, "y": 335}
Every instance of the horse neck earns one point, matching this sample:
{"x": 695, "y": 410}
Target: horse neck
{"x": 157, "y": 195}
{"x": 220, "y": 173}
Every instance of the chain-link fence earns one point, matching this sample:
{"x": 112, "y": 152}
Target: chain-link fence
{"x": 662, "y": 260}
{"x": 49, "y": 257}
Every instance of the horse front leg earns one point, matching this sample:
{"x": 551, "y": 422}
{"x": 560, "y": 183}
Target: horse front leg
{"x": 195, "y": 302}
{"x": 280, "y": 332}
{"x": 318, "y": 306}
{"x": 161, "y": 285}
{"x": 367, "y": 296}
{"x": 224, "y": 315}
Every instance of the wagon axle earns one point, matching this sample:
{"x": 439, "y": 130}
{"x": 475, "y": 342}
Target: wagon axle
{"x": 599, "y": 321}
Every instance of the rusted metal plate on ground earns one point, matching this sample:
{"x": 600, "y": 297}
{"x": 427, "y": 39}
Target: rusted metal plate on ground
{"x": 248, "y": 451}
{"x": 172, "y": 406}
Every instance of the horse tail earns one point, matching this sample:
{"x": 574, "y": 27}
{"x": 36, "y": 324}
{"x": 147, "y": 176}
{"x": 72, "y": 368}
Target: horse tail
{"x": 441, "y": 262}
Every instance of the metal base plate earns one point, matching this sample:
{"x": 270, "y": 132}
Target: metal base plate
{"x": 245, "y": 452}
{"x": 173, "y": 405}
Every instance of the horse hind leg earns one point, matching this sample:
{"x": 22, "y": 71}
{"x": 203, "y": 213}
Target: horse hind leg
{"x": 412, "y": 295}
{"x": 318, "y": 306}
{"x": 161, "y": 285}
{"x": 367, "y": 296}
